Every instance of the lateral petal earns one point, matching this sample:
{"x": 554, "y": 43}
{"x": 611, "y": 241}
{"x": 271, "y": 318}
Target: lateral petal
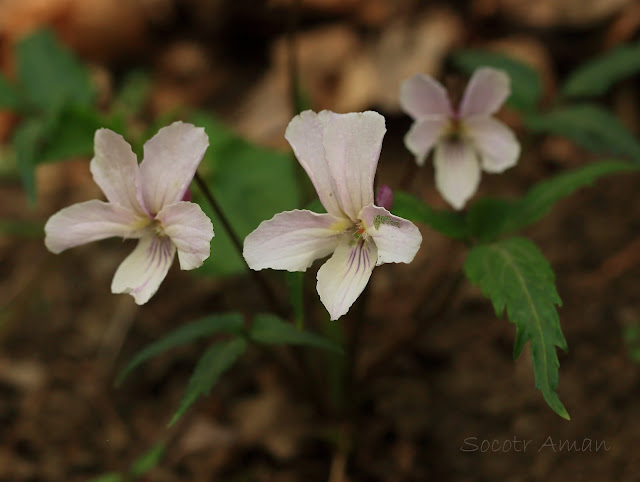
{"x": 352, "y": 144}
{"x": 397, "y": 239}
{"x": 141, "y": 273}
{"x": 190, "y": 231}
{"x": 423, "y": 135}
{"x": 457, "y": 172}
{"x": 293, "y": 240}
{"x": 90, "y": 221}
{"x": 499, "y": 148}
{"x": 423, "y": 96}
{"x": 171, "y": 158}
{"x": 305, "y": 135}
{"x": 115, "y": 169}
{"x": 486, "y": 91}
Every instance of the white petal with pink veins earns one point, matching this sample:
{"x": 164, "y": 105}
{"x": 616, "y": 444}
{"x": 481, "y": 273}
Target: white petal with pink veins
{"x": 142, "y": 272}
{"x": 397, "y": 239}
{"x": 423, "y": 96}
{"x": 485, "y": 93}
{"x": 171, "y": 158}
{"x": 292, "y": 240}
{"x": 91, "y": 221}
{"x": 190, "y": 231}
{"x": 352, "y": 144}
{"x": 115, "y": 169}
{"x": 457, "y": 172}
{"x": 499, "y": 148}
{"x": 344, "y": 276}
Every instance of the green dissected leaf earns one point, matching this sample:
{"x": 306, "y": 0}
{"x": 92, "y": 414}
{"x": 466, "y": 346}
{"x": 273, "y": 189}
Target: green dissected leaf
{"x": 489, "y": 218}
{"x": 251, "y": 184}
{"x": 215, "y": 361}
{"x": 50, "y": 75}
{"x": 598, "y": 75}
{"x": 9, "y": 98}
{"x": 526, "y": 88}
{"x": 149, "y": 460}
{"x": 231, "y": 323}
{"x": 27, "y": 140}
{"x": 515, "y": 275}
{"x": 271, "y": 330}
{"x": 589, "y": 126}
{"x": 449, "y": 223}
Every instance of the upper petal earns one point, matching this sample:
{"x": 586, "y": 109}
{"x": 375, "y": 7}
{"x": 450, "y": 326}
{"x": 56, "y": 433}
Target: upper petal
{"x": 292, "y": 240}
{"x": 423, "y": 135}
{"x": 305, "y": 133}
{"x": 486, "y": 92}
{"x": 422, "y": 96}
{"x": 499, "y": 148}
{"x": 90, "y": 221}
{"x": 397, "y": 239}
{"x": 115, "y": 169}
{"x": 352, "y": 144}
{"x": 171, "y": 158}
{"x": 190, "y": 231}
{"x": 457, "y": 172}
{"x": 344, "y": 276}
{"x": 141, "y": 273}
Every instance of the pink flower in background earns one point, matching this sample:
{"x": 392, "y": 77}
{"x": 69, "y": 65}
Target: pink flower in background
{"x": 340, "y": 154}
{"x": 465, "y": 140}
{"x": 144, "y": 202}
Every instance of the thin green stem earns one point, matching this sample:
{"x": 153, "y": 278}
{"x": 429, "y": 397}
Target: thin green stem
{"x": 267, "y": 291}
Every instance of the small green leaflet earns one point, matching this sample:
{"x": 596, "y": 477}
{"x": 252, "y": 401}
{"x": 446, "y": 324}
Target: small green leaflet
{"x": 449, "y": 223}
{"x": 515, "y": 275}
{"x": 140, "y": 467}
{"x": 526, "y": 88}
{"x": 215, "y": 361}
{"x": 598, "y": 75}
{"x": 230, "y": 323}
{"x": 489, "y": 218}
{"x": 269, "y": 329}
{"x": 589, "y": 126}
{"x": 150, "y": 459}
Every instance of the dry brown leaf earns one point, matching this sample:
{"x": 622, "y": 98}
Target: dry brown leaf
{"x": 100, "y": 30}
{"x": 271, "y": 419}
{"x": 339, "y": 72}
{"x": 403, "y": 49}
{"x": 554, "y": 13}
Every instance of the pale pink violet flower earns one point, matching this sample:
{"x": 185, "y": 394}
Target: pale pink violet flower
{"x": 465, "y": 140}
{"x": 144, "y": 202}
{"x": 340, "y": 154}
